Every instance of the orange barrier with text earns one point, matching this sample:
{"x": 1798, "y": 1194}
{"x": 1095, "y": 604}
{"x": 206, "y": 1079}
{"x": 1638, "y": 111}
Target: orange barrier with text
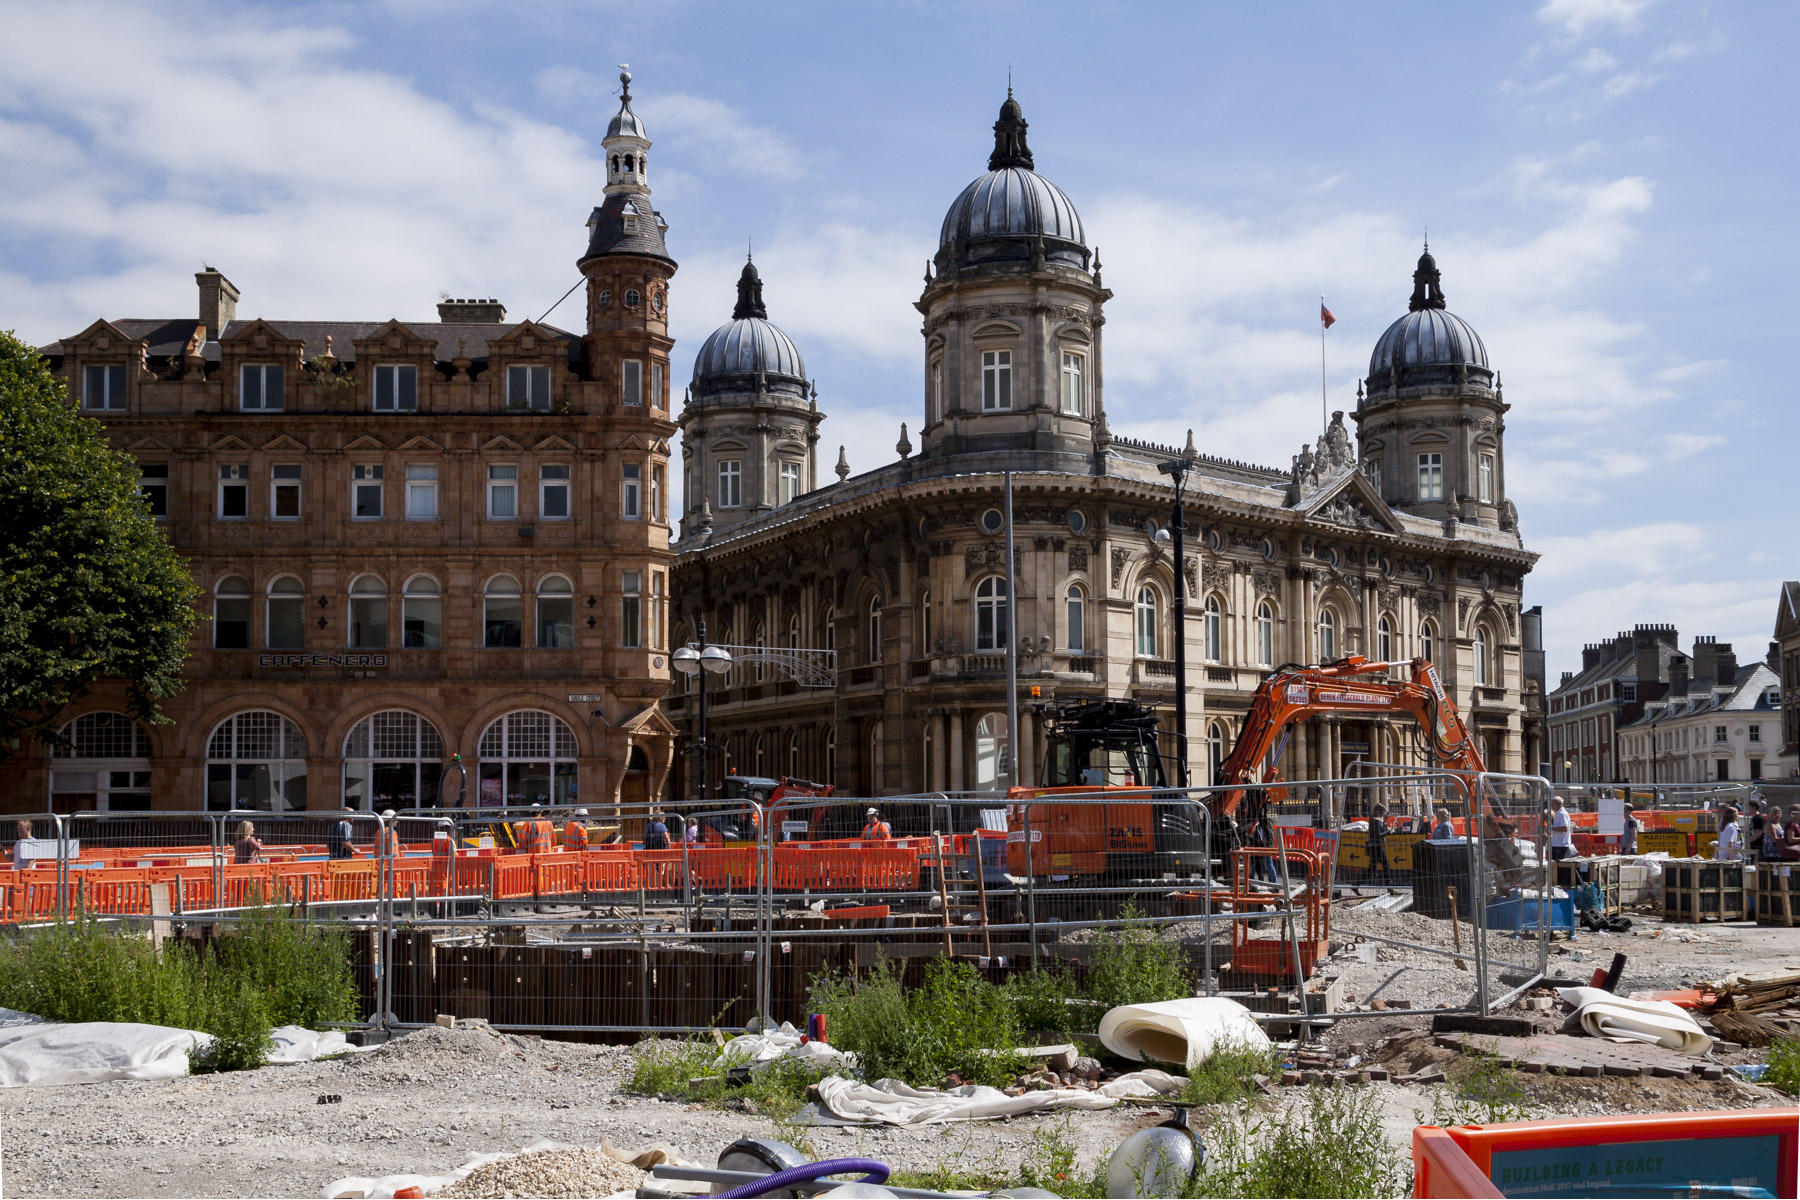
{"x": 1739, "y": 1152}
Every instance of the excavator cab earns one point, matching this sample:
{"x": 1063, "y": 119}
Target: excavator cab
{"x": 1140, "y": 828}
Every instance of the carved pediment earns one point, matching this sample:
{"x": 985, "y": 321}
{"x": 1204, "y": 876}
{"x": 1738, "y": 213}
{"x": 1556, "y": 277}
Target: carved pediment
{"x": 421, "y": 442}
{"x": 1351, "y": 502}
{"x": 148, "y": 445}
{"x": 502, "y": 443}
{"x": 393, "y": 340}
{"x": 526, "y": 338}
{"x": 366, "y": 444}
{"x": 560, "y": 445}
{"x": 260, "y": 337}
{"x": 231, "y": 442}
{"x": 283, "y": 441}
{"x": 102, "y": 337}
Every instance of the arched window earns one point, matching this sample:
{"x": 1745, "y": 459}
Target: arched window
{"x": 285, "y": 627}
{"x": 762, "y": 757}
{"x": 875, "y": 756}
{"x": 1384, "y": 639}
{"x": 874, "y": 629}
{"x": 1265, "y": 634}
{"x": 231, "y": 614}
{"x": 760, "y": 641}
{"x": 830, "y": 755}
{"x": 1215, "y": 751}
{"x": 105, "y": 767}
{"x": 793, "y": 756}
{"x": 1328, "y": 636}
{"x": 793, "y": 636}
{"x": 992, "y": 764}
{"x": 830, "y": 630}
{"x": 1076, "y": 605}
{"x": 990, "y": 613}
{"x": 1149, "y": 622}
{"x": 1214, "y": 628}
{"x": 527, "y": 757}
{"x": 1483, "y": 673}
{"x": 925, "y": 630}
{"x": 1428, "y": 642}
{"x": 421, "y": 614}
{"x": 392, "y": 759}
{"x": 555, "y": 613}
{"x": 368, "y": 613}
{"x": 256, "y": 760}
{"x": 502, "y": 612}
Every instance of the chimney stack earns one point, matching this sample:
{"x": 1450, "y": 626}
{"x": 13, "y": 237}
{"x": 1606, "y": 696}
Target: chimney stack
{"x": 1678, "y": 678}
{"x": 1590, "y": 657}
{"x": 218, "y": 301}
{"x": 1725, "y": 665}
{"x": 472, "y": 312}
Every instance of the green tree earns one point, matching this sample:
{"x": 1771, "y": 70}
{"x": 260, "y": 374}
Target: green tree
{"x": 90, "y": 589}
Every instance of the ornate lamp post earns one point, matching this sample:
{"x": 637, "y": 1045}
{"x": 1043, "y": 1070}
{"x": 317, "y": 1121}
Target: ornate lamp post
{"x": 1178, "y": 469}
{"x": 702, "y": 659}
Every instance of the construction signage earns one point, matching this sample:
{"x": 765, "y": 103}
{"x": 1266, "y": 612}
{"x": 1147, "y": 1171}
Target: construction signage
{"x": 1639, "y": 1168}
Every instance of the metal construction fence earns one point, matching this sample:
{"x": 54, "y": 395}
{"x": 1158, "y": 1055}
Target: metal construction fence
{"x": 542, "y": 920}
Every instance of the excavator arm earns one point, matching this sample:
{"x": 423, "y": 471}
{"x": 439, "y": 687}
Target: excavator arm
{"x": 1354, "y": 684}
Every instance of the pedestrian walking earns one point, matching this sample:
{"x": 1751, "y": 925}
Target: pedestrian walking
{"x": 249, "y": 847}
{"x": 1562, "y": 830}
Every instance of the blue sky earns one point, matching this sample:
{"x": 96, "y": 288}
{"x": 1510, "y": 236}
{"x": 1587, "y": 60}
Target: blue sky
{"x": 1607, "y": 184}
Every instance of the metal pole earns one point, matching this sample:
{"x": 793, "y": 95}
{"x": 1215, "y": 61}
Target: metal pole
{"x": 1180, "y": 612}
{"x": 1012, "y": 648}
{"x": 701, "y": 673}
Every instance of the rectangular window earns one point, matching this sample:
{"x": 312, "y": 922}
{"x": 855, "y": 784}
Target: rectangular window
{"x": 1756, "y": 733}
{"x": 528, "y": 387}
{"x": 658, "y": 607}
{"x": 553, "y": 493}
{"x": 631, "y": 623}
{"x": 284, "y": 491}
{"x": 1372, "y": 469}
{"x": 259, "y": 387}
{"x": 656, "y": 385}
{"x": 1073, "y": 401}
{"x": 996, "y": 380}
{"x": 396, "y": 389}
{"x": 365, "y": 491}
{"x": 790, "y": 482}
{"x": 631, "y": 382}
{"x": 287, "y": 622}
{"x": 1484, "y": 478}
{"x": 103, "y": 389}
{"x": 421, "y": 492}
{"x": 1431, "y": 476}
{"x": 658, "y": 476}
{"x": 1718, "y": 733}
{"x": 555, "y": 621}
{"x": 153, "y": 485}
{"x": 631, "y": 491}
{"x": 234, "y": 493}
{"x": 731, "y": 484}
{"x": 502, "y": 492}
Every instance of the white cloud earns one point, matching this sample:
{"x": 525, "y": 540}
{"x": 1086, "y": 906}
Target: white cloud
{"x": 1578, "y": 18}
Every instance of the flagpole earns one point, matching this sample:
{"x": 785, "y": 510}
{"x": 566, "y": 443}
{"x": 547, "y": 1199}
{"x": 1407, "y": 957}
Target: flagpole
{"x": 1324, "y": 421}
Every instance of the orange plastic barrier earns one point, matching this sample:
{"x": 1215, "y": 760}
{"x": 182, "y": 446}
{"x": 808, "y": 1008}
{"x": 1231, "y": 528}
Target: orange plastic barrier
{"x": 609, "y": 871}
{"x": 1733, "y": 1152}
{"x": 556, "y": 874}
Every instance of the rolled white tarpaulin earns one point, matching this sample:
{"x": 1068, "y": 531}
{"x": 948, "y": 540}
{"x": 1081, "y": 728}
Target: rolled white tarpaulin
{"x": 1617, "y": 1019}
{"x": 1186, "y": 1032}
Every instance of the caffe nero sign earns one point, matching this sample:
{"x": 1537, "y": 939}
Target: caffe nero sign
{"x": 321, "y": 660}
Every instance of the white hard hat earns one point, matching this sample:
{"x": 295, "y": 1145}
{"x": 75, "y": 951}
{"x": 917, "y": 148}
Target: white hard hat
{"x": 581, "y": 812}
{"x": 873, "y": 813}
{"x": 387, "y": 814}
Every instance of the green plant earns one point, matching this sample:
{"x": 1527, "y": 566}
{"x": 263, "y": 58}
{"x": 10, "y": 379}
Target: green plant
{"x": 1784, "y": 1065}
{"x": 1333, "y": 1145}
{"x": 954, "y": 1021}
{"x": 1138, "y": 963}
{"x": 1226, "y": 1077}
{"x": 1040, "y": 1001}
{"x": 1483, "y": 1091}
{"x": 1050, "y": 1164}
{"x": 661, "y": 1067}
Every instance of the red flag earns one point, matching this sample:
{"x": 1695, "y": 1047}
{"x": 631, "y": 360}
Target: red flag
{"x": 1325, "y": 315}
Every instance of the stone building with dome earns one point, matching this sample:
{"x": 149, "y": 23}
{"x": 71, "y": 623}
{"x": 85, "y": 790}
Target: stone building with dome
{"x": 1393, "y": 541}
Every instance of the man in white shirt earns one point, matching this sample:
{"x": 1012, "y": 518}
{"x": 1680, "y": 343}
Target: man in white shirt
{"x": 1731, "y": 839}
{"x": 1562, "y": 835}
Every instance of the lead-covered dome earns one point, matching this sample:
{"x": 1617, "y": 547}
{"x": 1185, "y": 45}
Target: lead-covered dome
{"x": 1429, "y": 338}
{"x": 1004, "y": 215}
{"x": 747, "y": 346}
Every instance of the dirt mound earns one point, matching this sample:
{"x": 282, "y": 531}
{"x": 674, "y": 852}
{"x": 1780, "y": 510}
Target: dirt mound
{"x": 574, "y": 1171}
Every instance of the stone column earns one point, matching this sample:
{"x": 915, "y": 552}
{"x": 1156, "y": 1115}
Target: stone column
{"x": 1024, "y": 756}
{"x": 940, "y": 734}
{"x": 955, "y": 749}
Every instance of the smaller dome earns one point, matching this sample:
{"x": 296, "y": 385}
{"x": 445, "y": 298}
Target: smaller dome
{"x": 625, "y": 123}
{"x": 1430, "y": 337}
{"x": 744, "y": 347}
{"x": 748, "y": 345}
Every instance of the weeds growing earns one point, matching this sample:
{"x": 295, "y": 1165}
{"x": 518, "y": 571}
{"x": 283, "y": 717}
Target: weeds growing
{"x": 1138, "y": 963}
{"x": 271, "y": 971}
{"x": 956, "y": 1021}
{"x": 1784, "y": 1065}
{"x": 1227, "y": 1077}
{"x": 1483, "y": 1091}
{"x": 1331, "y": 1145}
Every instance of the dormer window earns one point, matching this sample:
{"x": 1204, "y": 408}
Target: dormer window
{"x": 396, "y": 389}
{"x": 259, "y": 387}
{"x": 528, "y": 387}
{"x": 629, "y": 221}
{"x": 103, "y": 388}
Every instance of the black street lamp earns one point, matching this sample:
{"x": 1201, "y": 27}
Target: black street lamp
{"x": 1177, "y": 468}
{"x": 701, "y": 659}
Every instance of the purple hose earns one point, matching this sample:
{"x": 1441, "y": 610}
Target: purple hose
{"x": 873, "y": 1172}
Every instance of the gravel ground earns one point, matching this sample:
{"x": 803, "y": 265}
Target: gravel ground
{"x": 576, "y": 1171}
{"x": 428, "y": 1102}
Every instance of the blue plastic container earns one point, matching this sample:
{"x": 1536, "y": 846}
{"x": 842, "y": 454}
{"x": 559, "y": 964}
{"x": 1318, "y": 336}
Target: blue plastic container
{"x": 1521, "y": 912}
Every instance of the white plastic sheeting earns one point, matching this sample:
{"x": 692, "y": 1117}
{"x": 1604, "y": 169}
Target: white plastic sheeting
{"x": 1184, "y": 1032}
{"x": 757, "y": 1050}
{"x": 35, "y": 1051}
{"x": 1617, "y": 1019}
{"x": 890, "y": 1102}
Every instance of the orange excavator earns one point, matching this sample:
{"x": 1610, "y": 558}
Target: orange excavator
{"x": 1142, "y": 827}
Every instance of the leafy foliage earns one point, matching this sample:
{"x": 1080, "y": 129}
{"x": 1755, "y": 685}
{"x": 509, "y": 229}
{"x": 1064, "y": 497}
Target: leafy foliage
{"x": 1138, "y": 963}
{"x": 90, "y": 588}
{"x": 1331, "y": 1145}
{"x": 955, "y": 1021}
{"x": 1227, "y": 1076}
{"x": 271, "y": 972}
{"x": 1784, "y": 1065}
